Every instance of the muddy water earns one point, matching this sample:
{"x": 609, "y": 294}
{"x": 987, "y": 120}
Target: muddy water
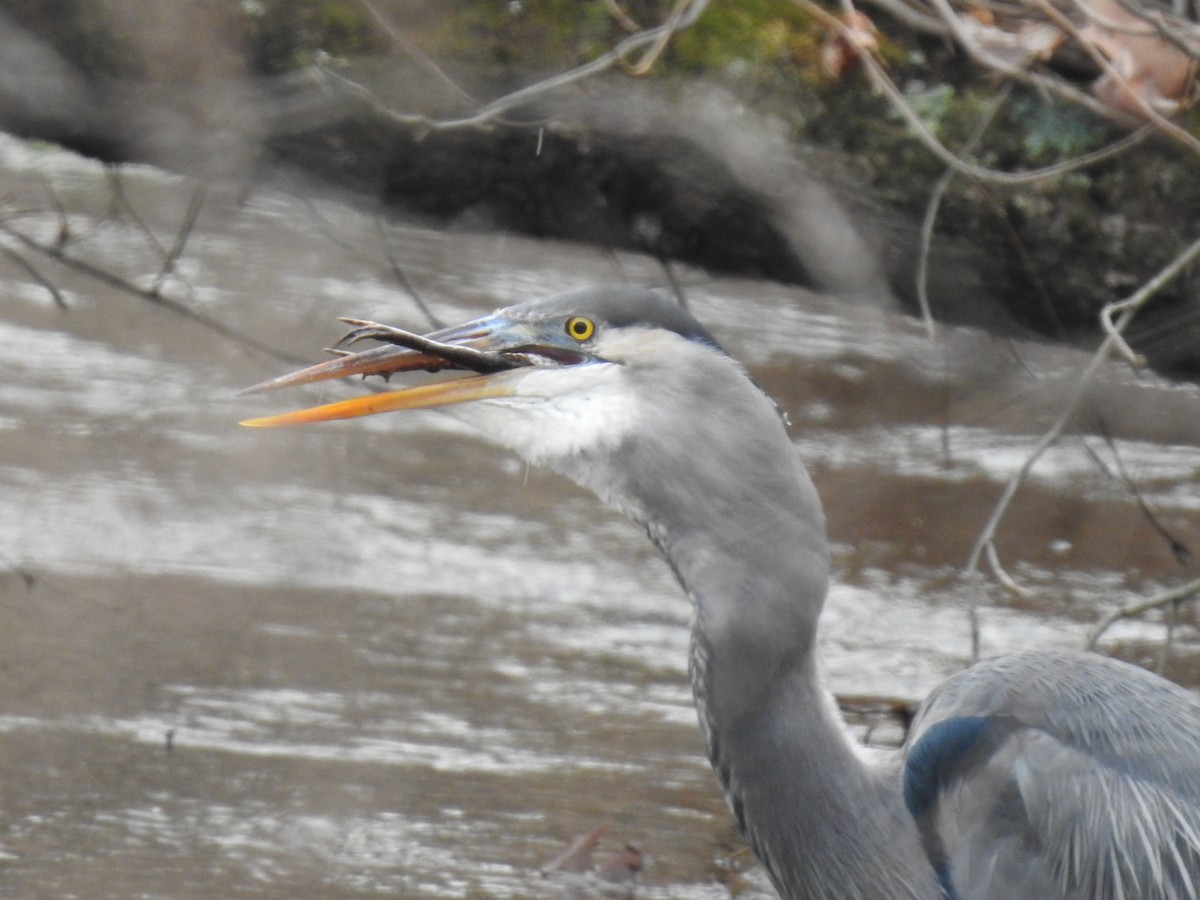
{"x": 381, "y": 657}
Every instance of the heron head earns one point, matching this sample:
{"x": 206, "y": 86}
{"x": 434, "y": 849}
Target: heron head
{"x": 550, "y": 378}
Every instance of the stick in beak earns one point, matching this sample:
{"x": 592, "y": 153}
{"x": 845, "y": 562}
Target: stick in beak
{"x": 461, "y": 355}
{"x": 413, "y": 352}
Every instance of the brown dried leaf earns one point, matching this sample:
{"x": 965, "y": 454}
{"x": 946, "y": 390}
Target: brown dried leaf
{"x": 840, "y": 51}
{"x": 1147, "y": 67}
{"x": 982, "y": 15}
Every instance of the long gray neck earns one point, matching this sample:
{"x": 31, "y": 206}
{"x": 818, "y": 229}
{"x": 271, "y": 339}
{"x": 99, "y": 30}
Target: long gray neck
{"x": 736, "y": 515}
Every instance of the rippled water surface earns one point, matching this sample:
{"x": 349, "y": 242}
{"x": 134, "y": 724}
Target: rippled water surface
{"x": 381, "y": 657}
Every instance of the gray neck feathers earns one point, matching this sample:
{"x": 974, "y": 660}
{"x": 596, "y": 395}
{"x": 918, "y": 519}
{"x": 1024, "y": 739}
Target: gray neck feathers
{"x": 739, "y": 520}
{"x": 722, "y": 492}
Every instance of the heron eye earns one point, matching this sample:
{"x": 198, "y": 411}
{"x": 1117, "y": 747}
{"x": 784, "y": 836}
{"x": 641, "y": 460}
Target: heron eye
{"x": 580, "y": 327}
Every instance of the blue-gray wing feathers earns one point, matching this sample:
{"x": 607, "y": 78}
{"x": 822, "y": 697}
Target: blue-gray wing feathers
{"x": 1058, "y": 776}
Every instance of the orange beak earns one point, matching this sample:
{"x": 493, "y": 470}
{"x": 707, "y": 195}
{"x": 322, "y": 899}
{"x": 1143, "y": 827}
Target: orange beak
{"x": 461, "y": 390}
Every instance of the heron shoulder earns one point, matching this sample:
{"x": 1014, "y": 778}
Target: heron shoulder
{"x": 1072, "y": 775}
{"x": 1105, "y": 706}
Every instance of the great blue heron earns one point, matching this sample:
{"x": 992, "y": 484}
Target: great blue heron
{"x": 1025, "y": 777}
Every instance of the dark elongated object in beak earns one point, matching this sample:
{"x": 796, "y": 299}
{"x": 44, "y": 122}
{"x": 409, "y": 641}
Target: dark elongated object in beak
{"x": 445, "y": 349}
{"x": 425, "y": 353}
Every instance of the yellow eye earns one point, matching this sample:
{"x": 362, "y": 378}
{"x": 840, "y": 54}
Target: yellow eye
{"x": 580, "y": 327}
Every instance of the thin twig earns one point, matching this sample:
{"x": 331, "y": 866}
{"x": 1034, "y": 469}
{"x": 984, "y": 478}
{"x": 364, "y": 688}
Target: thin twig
{"x": 121, "y": 202}
{"x": 935, "y": 202}
{"x": 64, "y": 223}
{"x": 1003, "y": 216}
{"x": 496, "y": 108}
{"x": 621, "y": 17}
{"x": 1001, "y": 575}
{"x": 1178, "y": 548}
{"x": 327, "y": 227}
{"x": 59, "y": 300}
{"x": 677, "y": 289}
{"x": 181, "y": 238}
{"x": 1120, "y": 345}
{"x": 656, "y": 49}
{"x": 402, "y": 40}
{"x": 402, "y": 277}
{"x": 922, "y": 275}
{"x": 1174, "y": 595}
{"x": 606, "y": 61}
{"x": 116, "y": 281}
{"x": 1129, "y": 309}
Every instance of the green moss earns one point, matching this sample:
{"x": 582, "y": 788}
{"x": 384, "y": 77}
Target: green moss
{"x": 1053, "y": 131}
{"x": 932, "y": 102}
{"x": 752, "y": 33}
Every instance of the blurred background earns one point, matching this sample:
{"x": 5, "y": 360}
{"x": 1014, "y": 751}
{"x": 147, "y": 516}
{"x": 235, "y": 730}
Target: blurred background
{"x": 381, "y": 657}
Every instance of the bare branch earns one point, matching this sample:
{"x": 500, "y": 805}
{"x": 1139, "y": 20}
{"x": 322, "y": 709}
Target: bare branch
{"x": 1178, "y": 548}
{"x": 931, "y": 211}
{"x": 621, "y": 17}
{"x": 1002, "y": 576}
{"x": 64, "y": 224}
{"x": 121, "y": 202}
{"x": 1128, "y": 309}
{"x": 1174, "y": 595}
{"x": 688, "y": 12}
{"x": 621, "y": 51}
{"x": 401, "y": 40}
{"x": 402, "y": 277}
{"x": 116, "y": 281}
{"x": 326, "y": 226}
{"x": 59, "y": 300}
{"x": 677, "y": 289}
{"x": 660, "y": 44}
{"x": 181, "y": 239}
